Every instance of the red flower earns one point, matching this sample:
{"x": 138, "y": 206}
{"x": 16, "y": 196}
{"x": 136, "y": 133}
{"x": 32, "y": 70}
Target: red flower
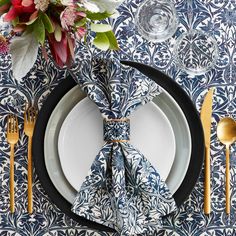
{"x": 20, "y": 8}
{"x": 62, "y": 51}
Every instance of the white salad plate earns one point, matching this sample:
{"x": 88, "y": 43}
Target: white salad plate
{"x": 81, "y": 138}
{"x": 165, "y": 110}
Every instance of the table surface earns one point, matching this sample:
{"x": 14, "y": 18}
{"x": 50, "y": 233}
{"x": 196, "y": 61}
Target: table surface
{"x": 217, "y": 17}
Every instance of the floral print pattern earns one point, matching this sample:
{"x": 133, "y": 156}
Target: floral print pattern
{"x": 215, "y": 17}
{"x": 123, "y": 190}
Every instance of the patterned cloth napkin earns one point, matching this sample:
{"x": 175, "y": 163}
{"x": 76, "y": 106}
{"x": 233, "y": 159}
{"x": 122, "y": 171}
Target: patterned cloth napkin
{"x": 122, "y": 190}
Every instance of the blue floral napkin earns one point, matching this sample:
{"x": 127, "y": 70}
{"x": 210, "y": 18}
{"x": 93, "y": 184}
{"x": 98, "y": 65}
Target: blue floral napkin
{"x": 122, "y": 190}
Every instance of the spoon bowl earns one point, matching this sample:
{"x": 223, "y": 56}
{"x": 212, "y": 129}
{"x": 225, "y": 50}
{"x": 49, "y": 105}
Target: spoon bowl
{"x": 226, "y": 131}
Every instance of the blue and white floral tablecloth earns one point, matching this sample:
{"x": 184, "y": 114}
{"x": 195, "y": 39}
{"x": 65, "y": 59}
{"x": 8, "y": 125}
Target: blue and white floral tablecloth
{"x": 218, "y": 17}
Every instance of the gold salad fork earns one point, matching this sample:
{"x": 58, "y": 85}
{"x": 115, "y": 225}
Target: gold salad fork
{"x": 29, "y": 123}
{"x": 12, "y": 139}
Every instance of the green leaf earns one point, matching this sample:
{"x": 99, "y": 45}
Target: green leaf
{"x": 112, "y": 40}
{"x": 80, "y": 23}
{"x": 39, "y": 30}
{"x": 24, "y": 51}
{"x": 83, "y": 9}
{"x": 3, "y": 2}
{"x": 101, "y": 41}
{"x": 47, "y": 23}
{"x": 15, "y": 21}
{"x": 97, "y": 15}
{"x": 100, "y": 28}
{"x": 58, "y": 33}
{"x": 85, "y": 39}
{"x": 32, "y": 21}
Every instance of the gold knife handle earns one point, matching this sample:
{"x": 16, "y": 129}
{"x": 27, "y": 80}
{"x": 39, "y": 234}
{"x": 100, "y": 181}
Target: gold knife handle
{"x": 227, "y": 184}
{"x": 207, "y": 193}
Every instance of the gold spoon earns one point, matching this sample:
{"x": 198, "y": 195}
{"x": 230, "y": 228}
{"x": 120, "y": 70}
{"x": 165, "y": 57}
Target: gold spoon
{"x": 226, "y": 132}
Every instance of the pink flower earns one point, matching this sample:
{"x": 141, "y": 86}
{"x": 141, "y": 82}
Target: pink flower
{"x": 4, "y": 45}
{"x": 80, "y": 33}
{"x": 69, "y": 16}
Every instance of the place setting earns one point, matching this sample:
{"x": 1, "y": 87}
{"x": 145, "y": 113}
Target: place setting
{"x": 112, "y": 142}
{"x": 59, "y": 144}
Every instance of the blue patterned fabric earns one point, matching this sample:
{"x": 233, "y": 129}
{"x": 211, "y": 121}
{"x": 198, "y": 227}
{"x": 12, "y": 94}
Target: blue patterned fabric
{"x": 216, "y": 17}
{"x": 122, "y": 190}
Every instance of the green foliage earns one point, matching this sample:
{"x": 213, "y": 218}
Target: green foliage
{"x": 100, "y": 28}
{"x": 97, "y": 15}
{"x": 112, "y": 40}
{"x": 24, "y": 51}
{"x": 31, "y": 21}
{"x": 15, "y": 21}
{"x": 58, "y": 33}
{"x": 101, "y": 41}
{"x": 105, "y": 41}
{"x": 4, "y": 2}
{"x": 80, "y": 23}
{"x": 39, "y": 30}
{"x": 47, "y": 23}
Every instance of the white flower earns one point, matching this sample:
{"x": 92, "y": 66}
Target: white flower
{"x": 67, "y": 2}
{"x": 90, "y": 6}
{"x": 41, "y": 5}
{"x": 102, "y": 5}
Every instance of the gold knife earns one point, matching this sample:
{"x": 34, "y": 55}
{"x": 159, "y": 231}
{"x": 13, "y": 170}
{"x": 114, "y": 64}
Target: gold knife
{"x": 206, "y": 113}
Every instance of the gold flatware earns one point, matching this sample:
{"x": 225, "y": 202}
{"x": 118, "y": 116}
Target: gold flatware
{"x": 226, "y": 130}
{"x": 29, "y": 123}
{"x": 206, "y": 113}
{"x": 12, "y": 139}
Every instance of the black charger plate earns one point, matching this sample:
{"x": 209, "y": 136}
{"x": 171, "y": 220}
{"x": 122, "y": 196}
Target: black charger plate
{"x": 189, "y": 110}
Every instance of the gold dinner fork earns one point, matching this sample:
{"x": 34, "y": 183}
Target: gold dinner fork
{"x": 12, "y": 139}
{"x": 29, "y": 123}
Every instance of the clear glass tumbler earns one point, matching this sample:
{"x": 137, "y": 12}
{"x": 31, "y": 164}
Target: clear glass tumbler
{"x": 156, "y": 20}
{"x": 196, "y": 52}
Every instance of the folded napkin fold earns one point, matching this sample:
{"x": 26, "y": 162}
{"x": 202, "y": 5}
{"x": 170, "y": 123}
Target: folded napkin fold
{"x": 122, "y": 190}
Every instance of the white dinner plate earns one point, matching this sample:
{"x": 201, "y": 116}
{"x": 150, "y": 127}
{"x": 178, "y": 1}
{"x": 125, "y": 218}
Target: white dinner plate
{"x": 81, "y": 138}
{"x": 164, "y": 101}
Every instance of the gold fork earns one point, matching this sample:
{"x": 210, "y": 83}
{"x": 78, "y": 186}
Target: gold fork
{"x": 12, "y": 139}
{"x": 29, "y": 123}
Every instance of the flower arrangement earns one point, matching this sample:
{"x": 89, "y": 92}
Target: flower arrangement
{"x": 60, "y": 22}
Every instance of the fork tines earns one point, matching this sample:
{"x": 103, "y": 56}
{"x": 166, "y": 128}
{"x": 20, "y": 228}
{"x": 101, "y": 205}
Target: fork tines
{"x": 30, "y": 114}
{"x": 12, "y": 123}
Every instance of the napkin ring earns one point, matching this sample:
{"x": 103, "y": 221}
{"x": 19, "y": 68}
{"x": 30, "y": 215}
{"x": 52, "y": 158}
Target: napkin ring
{"x": 116, "y": 130}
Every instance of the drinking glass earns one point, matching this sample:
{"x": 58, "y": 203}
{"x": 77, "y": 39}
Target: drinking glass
{"x": 156, "y": 20}
{"x": 196, "y": 52}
